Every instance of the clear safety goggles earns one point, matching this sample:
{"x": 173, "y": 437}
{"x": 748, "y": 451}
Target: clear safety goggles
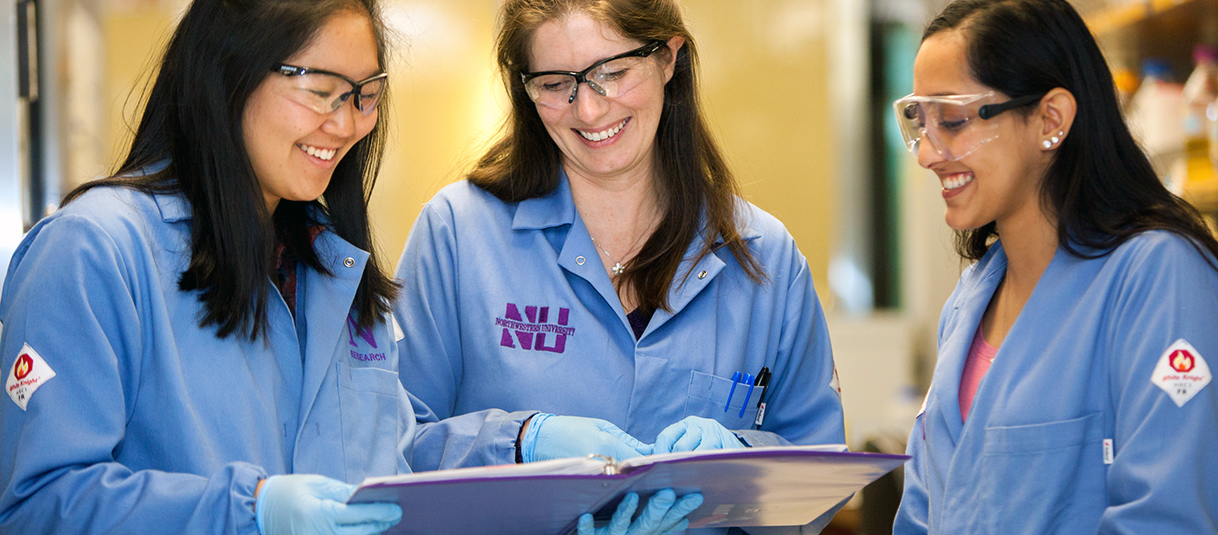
{"x": 955, "y": 125}
{"x": 609, "y": 77}
{"x": 325, "y": 91}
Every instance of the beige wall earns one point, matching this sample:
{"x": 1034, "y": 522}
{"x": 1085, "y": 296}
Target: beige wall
{"x": 133, "y": 37}
{"x": 764, "y": 73}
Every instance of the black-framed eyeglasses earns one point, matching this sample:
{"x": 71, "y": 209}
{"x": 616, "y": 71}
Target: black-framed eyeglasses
{"x": 609, "y": 77}
{"x": 325, "y": 91}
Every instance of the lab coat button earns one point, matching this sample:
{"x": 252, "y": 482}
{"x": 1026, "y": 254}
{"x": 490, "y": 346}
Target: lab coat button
{"x": 702, "y": 274}
{"x": 349, "y": 262}
{"x": 579, "y": 260}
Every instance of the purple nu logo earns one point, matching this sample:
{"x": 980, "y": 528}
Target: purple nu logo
{"x": 354, "y": 330}
{"x": 531, "y": 334}
{"x": 355, "y": 333}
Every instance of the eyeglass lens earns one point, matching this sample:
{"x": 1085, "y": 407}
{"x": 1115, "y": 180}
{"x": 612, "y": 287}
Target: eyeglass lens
{"x": 325, "y": 92}
{"x": 954, "y": 130}
{"x": 610, "y": 79}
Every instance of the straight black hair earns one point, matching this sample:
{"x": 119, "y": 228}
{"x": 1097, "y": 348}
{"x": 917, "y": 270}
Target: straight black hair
{"x": 192, "y": 120}
{"x": 1101, "y": 187}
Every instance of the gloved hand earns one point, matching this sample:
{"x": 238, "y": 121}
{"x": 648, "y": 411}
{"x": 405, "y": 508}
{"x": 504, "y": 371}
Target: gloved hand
{"x": 661, "y": 515}
{"x": 555, "y": 437}
{"x": 305, "y": 504}
{"x": 696, "y": 434}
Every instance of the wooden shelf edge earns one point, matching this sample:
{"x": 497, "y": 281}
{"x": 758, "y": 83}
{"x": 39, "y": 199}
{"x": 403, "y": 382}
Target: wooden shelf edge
{"x": 1116, "y": 18}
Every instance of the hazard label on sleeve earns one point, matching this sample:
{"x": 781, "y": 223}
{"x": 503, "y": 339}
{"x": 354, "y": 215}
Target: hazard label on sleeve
{"x": 29, "y": 373}
{"x": 1181, "y": 372}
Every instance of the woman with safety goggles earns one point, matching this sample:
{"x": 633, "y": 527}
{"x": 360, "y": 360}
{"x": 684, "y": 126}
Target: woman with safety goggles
{"x": 1070, "y": 393}
{"x": 599, "y": 263}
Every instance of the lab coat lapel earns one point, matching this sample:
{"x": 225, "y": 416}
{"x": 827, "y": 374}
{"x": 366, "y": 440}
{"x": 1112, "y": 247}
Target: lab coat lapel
{"x": 580, "y": 257}
{"x": 692, "y": 278}
{"x": 327, "y": 303}
{"x": 1023, "y": 350}
{"x": 576, "y": 252}
{"x": 970, "y": 306}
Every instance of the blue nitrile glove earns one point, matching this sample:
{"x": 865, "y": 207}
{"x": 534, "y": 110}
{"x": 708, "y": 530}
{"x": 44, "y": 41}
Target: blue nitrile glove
{"x": 305, "y": 504}
{"x": 696, "y": 434}
{"x": 555, "y": 437}
{"x": 661, "y": 515}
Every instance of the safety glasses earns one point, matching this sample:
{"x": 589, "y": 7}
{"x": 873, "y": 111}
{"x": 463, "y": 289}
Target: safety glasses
{"x": 955, "y": 125}
{"x": 609, "y": 77}
{"x": 325, "y": 91}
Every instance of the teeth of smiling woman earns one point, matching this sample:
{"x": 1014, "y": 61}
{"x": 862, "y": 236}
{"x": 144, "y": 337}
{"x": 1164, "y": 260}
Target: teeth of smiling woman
{"x": 956, "y": 181}
{"x": 603, "y": 135}
{"x": 321, "y": 154}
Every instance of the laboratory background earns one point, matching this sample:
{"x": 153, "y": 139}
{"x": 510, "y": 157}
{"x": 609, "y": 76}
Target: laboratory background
{"x": 799, "y": 95}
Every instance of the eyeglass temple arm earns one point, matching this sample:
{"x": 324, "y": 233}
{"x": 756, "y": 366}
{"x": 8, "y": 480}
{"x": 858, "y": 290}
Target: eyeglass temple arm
{"x": 991, "y": 110}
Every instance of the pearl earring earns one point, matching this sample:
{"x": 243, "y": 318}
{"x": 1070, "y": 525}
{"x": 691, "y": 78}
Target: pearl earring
{"x": 1048, "y": 145}
{"x": 1054, "y": 139}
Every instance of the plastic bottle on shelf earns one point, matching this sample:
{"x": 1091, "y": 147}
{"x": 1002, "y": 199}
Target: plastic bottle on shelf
{"x": 1156, "y": 119}
{"x": 1201, "y": 108}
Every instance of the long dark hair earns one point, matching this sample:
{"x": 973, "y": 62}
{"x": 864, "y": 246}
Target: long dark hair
{"x": 1101, "y": 187}
{"x": 220, "y": 52}
{"x": 694, "y": 180}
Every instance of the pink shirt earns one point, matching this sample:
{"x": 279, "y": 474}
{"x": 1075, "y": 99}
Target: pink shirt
{"x": 980, "y": 356}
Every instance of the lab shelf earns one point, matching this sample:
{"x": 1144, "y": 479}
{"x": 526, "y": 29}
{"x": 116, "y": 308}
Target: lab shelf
{"x": 1129, "y": 32}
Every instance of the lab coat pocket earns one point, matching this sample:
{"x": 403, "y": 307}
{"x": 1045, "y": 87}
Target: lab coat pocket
{"x": 709, "y": 394}
{"x": 368, "y": 399}
{"x": 1051, "y": 474}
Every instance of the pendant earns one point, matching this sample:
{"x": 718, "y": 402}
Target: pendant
{"x": 618, "y": 268}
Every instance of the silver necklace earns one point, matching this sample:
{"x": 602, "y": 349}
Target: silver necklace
{"x": 619, "y": 267}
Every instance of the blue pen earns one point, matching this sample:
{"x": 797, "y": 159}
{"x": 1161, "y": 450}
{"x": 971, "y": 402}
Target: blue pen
{"x": 748, "y": 379}
{"x": 732, "y": 392}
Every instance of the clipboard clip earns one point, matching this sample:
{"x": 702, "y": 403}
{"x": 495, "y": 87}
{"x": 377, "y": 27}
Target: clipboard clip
{"x": 610, "y": 463}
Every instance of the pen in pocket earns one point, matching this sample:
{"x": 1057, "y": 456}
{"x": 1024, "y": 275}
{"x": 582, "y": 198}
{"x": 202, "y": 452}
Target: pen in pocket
{"x": 763, "y": 381}
{"x": 740, "y": 378}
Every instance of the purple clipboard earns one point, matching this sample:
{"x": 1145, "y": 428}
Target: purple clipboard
{"x": 770, "y": 486}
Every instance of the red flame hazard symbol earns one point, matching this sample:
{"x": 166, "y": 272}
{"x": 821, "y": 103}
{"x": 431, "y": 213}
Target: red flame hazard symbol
{"x": 1182, "y": 361}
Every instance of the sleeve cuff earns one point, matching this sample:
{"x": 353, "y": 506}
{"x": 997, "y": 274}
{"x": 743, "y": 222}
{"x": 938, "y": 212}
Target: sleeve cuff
{"x": 529, "y": 442}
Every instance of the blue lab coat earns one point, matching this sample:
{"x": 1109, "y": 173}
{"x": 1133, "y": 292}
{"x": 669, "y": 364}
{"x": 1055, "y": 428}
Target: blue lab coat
{"x": 1075, "y": 370}
{"x": 151, "y": 423}
{"x": 507, "y": 310}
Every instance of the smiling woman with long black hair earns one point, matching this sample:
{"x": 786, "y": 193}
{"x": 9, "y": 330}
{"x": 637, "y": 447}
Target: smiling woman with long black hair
{"x": 1071, "y": 393}
{"x": 176, "y": 327}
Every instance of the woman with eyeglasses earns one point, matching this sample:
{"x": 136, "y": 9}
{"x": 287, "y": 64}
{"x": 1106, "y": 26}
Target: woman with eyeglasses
{"x": 599, "y": 263}
{"x": 202, "y": 343}
{"x": 1071, "y": 393}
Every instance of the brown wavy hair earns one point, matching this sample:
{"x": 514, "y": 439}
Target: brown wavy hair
{"x": 693, "y": 179}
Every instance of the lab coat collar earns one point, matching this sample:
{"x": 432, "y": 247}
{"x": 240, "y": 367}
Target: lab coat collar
{"x": 327, "y": 304}
{"x": 552, "y": 210}
{"x": 173, "y": 206}
{"x": 327, "y": 298}
{"x": 579, "y": 256}
{"x": 970, "y": 306}
{"x": 558, "y": 208}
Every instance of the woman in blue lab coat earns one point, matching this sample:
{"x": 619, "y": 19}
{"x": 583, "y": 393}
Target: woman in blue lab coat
{"x": 598, "y": 262}
{"x": 203, "y": 344}
{"x": 1070, "y": 393}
